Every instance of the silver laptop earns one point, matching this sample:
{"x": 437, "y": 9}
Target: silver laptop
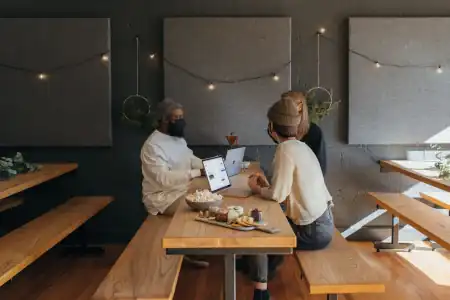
{"x": 233, "y": 161}
{"x": 218, "y": 179}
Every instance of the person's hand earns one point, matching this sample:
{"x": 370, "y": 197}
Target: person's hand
{"x": 253, "y": 184}
{"x": 261, "y": 179}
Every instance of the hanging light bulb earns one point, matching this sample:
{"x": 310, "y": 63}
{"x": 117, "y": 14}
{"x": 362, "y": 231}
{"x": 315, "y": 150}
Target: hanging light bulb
{"x": 105, "y": 57}
{"x": 211, "y": 87}
{"x": 322, "y": 30}
{"x": 377, "y": 65}
{"x": 42, "y": 76}
{"x": 275, "y": 77}
{"x": 152, "y": 56}
{"x": 439, "y": 70}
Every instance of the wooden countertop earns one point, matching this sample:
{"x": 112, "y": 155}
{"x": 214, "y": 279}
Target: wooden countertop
{"x": 185, "y": 232}
{"x": 423, "y": 171}
{"x": 22, "y": 182}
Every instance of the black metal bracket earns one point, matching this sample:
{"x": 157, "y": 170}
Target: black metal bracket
{"x": 83, "y": 249}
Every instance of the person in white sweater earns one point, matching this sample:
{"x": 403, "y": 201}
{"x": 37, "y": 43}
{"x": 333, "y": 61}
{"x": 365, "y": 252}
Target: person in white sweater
{"x": 298, "y": 181}
{"x": 168, "y": 165}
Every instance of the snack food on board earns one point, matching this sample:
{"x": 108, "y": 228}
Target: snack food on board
{"x": 222, "y": 215}
{"x": 256, "y": 214}
{"x": 203, "y": 196}
{"x": 234, "y": 212}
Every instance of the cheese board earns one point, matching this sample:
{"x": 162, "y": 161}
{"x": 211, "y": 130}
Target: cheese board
{"x": 260, "y": 227}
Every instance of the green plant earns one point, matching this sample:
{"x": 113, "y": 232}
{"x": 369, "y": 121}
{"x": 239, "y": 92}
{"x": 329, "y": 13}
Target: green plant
{"x": 443, "y": 163}
{"x": 318, "y": 110}
{"x": 11, "y": 166}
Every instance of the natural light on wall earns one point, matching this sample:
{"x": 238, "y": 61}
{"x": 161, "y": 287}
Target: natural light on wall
{"x": 442, "y": 137}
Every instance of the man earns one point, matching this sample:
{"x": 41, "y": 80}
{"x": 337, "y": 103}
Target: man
{"x": 168, "y": 165}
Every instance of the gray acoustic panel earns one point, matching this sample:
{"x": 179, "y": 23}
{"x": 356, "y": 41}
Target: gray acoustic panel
{"x": 227, "y": 49}
{"x": 395, "y": 105}
{"x": 73, "y": 106}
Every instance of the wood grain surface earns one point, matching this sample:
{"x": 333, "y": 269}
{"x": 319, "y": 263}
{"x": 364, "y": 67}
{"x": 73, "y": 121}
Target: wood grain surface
{"x": 339, "y": 269}
{"x": 420, "y": 171}
{"x": 143, "y": 271}
{"x": 22, "y": 182}
{"x": 24, "y": 245}
{"x": 441, "y": 199}
{"x": 185, "y": 232}
{"x": 422, "y": 217}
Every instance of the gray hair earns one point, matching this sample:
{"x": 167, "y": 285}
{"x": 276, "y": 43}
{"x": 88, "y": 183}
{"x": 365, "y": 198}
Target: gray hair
{"x": 166, "y": 107}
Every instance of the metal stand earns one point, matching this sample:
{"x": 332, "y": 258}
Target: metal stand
{"x": 230, "y": 277}
{"x": 83, "y": 249}
{"x": 332, "y": 297}
{"x": 394, "y": 244}
{"x": 229, "y": 261}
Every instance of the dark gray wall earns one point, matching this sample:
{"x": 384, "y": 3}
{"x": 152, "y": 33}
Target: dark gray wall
{"x": 391, "y": 105}
{"x": 71, "y": 107}
{"x": 227, "y": 49}
{"x": 352, "y": 170}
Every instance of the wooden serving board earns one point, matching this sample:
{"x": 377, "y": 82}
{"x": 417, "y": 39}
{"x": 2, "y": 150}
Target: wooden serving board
{"x": 226, "y": 225}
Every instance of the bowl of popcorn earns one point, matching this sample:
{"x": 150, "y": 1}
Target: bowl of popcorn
{"x": 202, "y": 200}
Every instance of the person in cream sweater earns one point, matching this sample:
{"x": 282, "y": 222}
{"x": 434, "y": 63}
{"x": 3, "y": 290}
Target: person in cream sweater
{"x": 168, "y": 166}
{"x": 298, "y": 181}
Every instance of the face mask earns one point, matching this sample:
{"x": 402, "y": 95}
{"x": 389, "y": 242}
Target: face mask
{"x": 176, "y": 128}
{"x": 273, "y": 139}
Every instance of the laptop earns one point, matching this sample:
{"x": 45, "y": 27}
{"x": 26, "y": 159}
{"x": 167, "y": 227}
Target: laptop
{"x": 218, "y": 180}
{"x": 233, "y": 161}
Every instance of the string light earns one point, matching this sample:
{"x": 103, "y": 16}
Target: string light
{"x": 42, "y": 76}
{"x": 105, "y": 57}
{"x": 439, "y": 70}
{"x": 211, "y": 87}
{"x": 377, "y": 65}
{"x": 152, "y": 56}
{"x": 276, "y": 77}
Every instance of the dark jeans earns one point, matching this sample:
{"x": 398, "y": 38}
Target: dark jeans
{"x": 314, "y": 236}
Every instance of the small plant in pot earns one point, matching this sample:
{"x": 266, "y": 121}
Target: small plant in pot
{"x": 232, "y": 140}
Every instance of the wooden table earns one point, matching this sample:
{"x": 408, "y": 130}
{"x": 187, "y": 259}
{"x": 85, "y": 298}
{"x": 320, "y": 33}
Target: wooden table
{"x": 22, "y": 182}
{"x": 423, "y": 171}
{"x": 187, "y": 236}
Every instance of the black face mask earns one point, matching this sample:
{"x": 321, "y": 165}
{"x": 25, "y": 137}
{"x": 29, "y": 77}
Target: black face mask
{"x": 176, "y": 128}
{"x": 274, "y": 140}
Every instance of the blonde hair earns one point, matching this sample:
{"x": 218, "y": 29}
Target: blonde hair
{"x": 299, "y": 99}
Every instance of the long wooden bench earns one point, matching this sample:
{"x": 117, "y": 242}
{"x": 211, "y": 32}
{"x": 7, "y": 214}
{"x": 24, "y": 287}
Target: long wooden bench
{"x": 422, "y": 217}
{"x": 441, "y": 199}
{"x": 144, "y": 271}
{"x": 24, "y": 245}
{"x": 338, "y": 269}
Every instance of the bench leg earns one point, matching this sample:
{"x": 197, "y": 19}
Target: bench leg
{"x": 332, "y": 297}
{"x": 83, "y": 248}
{"x": 394, "y": 244}
{"x": 230, "y": 277}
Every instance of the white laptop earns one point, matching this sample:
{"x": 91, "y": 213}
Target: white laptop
{"x": 233, "y": 161}
{"x": 218, "y": 179}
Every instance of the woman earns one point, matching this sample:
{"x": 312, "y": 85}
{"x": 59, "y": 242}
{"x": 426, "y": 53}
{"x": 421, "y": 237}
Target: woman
{"x": 309, "y": 133}
{"x": 298, "y": 181}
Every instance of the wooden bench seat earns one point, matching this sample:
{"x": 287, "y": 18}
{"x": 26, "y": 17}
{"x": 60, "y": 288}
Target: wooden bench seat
{"x": 422, "y": 217}
{"x": 441, "y": 199}
{"x": 144, "y": 271}
{"x": 21, "y": 247}
{"x": 338, "y": 269}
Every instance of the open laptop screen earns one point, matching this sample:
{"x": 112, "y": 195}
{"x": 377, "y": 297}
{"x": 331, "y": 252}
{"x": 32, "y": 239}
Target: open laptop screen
{"x": 216, "y": 173}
